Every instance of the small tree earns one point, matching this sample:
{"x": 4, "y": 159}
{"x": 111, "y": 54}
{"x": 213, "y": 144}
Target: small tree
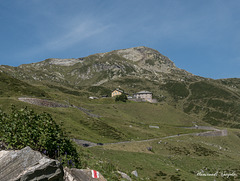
{"x": 122, "y": 97}
{"x": 24, "y": 127}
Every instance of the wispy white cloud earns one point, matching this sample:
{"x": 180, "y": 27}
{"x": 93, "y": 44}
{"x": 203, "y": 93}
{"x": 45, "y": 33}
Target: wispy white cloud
{"x": 74, "y": 35}
{"x": 65, "y": 33}
{"x": 58, "y": 26}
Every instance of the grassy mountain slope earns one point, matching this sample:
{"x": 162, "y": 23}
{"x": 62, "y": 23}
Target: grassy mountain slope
{"x": 10, "y": 86}
{"x": 179, "y": 158}
{"x": 118, "y": 121}
{"x": 218, "y": 105}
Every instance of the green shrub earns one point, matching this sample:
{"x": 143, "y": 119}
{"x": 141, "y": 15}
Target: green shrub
{"x": 150, "y": 62}
{"x": 189, "y": 107}
{"x": 122, "y": 97}
{"x": 202, "y": 90}
{"x": 160, "y": 173}
{"x": 24, "y": 127}
{"x": 216, "y": 115}
{"x": 224, "y": 106}
{"x": 176, "y": 89}
{"x": 202, "y": 151}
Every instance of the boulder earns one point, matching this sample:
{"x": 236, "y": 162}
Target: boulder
{"x": 150, "y": 148}
{"x": 135, "y": 173}
{"x": 74, "y": 174}
{"x": 26, "y": 164}
{"x": 125, "y": 176}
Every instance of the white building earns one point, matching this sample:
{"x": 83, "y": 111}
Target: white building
{"x": 144, "y": 95}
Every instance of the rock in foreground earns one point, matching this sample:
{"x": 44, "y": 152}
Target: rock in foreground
{"x": 27, "y": 164}
{"x": 74, "y": 174}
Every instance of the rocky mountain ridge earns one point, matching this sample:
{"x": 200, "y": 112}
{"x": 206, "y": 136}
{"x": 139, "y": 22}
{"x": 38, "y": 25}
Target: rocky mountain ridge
{"x": 99, "y": 68}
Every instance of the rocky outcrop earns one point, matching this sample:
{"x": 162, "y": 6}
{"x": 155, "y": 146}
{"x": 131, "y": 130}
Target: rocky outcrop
{"x": 141, "y": 53}
{"x": 64, "y": 62}
{"x": 74, "y": 174}
{"x": 26, "y": 164}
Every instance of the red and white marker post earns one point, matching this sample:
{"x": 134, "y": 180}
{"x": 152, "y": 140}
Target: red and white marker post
{"x": 95, "y": 174}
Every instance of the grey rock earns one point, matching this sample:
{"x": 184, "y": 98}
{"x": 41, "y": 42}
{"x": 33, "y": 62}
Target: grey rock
{"x": 74, "y": 174}
{"x": 150, "y": 148}
{"x": 157, "y": 127}
{"x": 125, "y": 176}
{"x": 134, "y": 173}
{"x": 64, "y": 62}
{"x": 26, "y": 164}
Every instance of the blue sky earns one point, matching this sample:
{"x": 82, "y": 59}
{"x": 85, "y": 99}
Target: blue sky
{"x": 200, "y": 36}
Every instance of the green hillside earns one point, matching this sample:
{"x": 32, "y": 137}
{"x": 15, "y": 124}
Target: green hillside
{"x": 10, "y": 86}
{"x": 214, "y": 103}
{"x": 117, "y": 121}
{"x": 62, "y": 87}
{"x": 180, "y": 158}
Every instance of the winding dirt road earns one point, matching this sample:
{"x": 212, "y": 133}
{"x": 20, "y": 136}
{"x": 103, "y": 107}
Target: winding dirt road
{"x": 213, "y": 132}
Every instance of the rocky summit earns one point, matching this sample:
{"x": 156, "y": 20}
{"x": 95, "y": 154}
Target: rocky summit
{"x": 141, "y": 62}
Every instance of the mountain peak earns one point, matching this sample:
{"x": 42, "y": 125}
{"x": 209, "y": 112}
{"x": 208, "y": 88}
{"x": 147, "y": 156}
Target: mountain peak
{"x": 138, "y": 53}
{"x": 140, "y": 62}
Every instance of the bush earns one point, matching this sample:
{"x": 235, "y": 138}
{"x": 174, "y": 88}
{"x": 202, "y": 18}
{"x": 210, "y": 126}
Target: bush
{"x": 24, "y": 127}
{"x": 122, "y": 97}
{"x": 150, "y": 62}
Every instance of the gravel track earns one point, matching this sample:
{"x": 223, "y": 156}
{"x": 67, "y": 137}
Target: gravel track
{"x": 48, "y": 103}
{"x": 213, "y": 132}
